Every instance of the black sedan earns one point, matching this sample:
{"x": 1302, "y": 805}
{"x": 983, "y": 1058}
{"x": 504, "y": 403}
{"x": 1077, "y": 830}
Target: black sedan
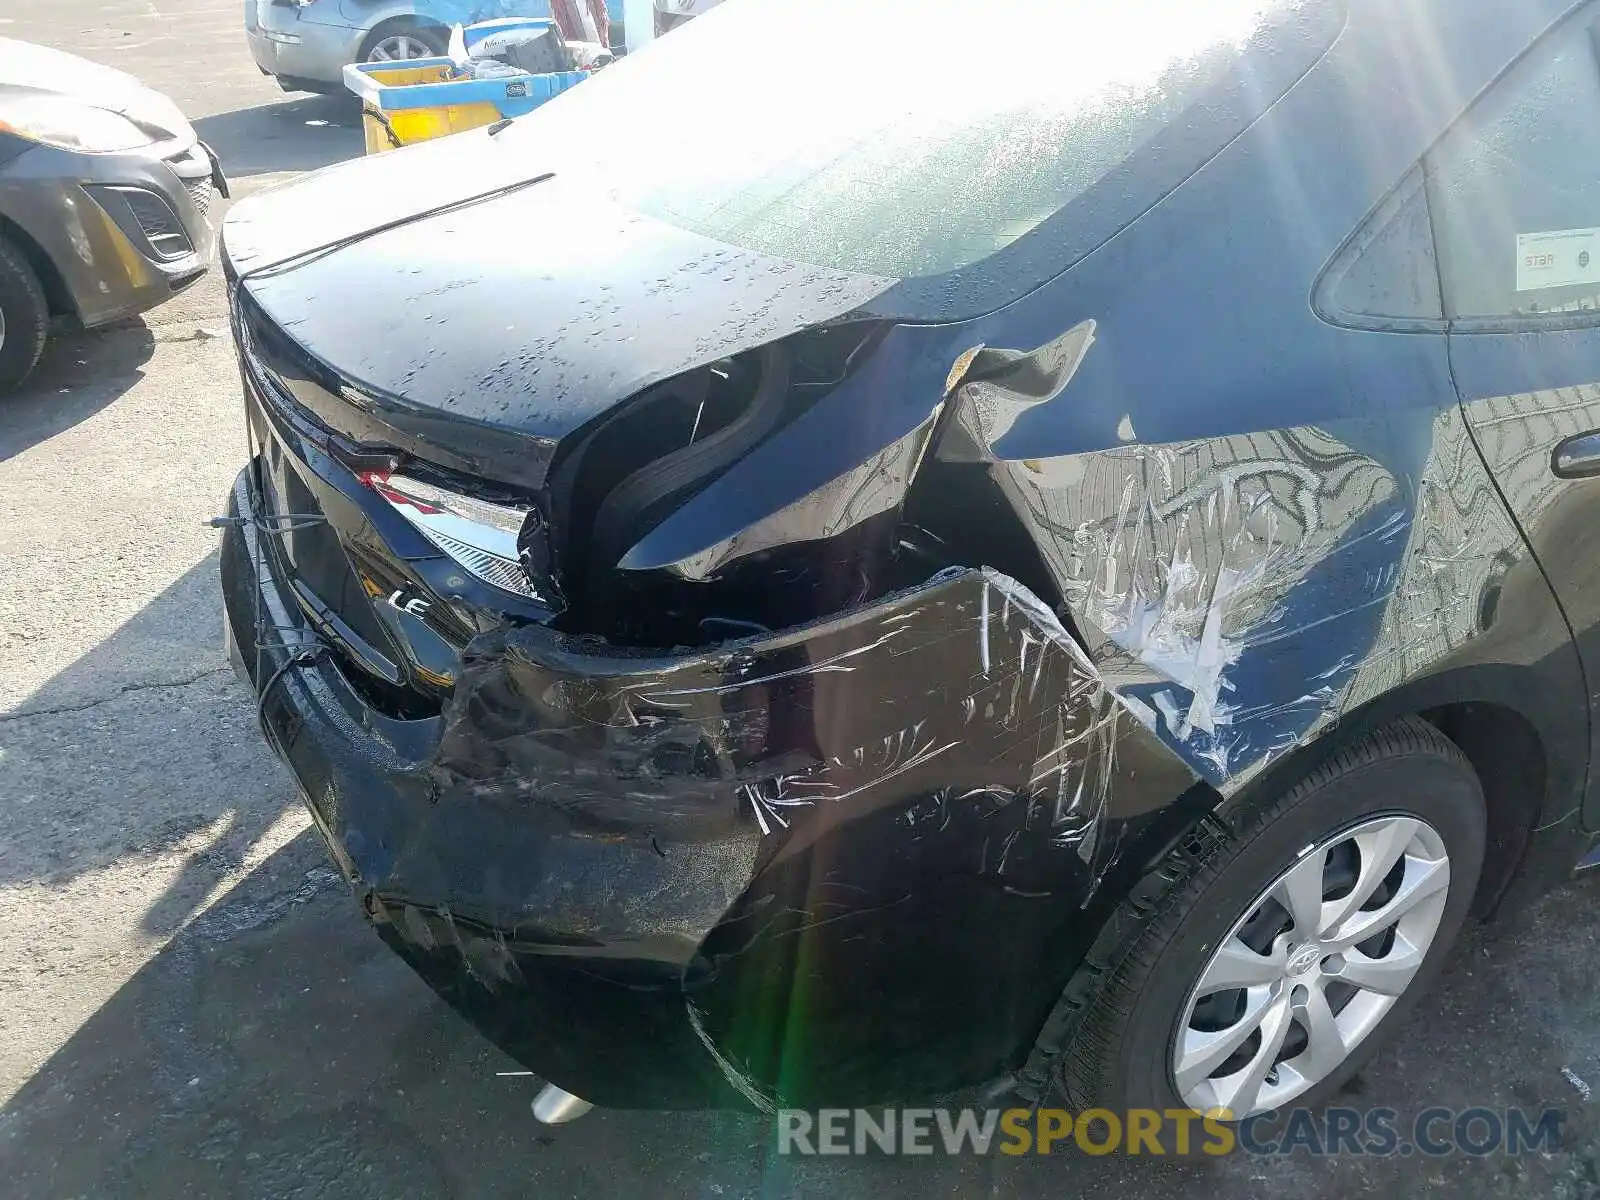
{"x": 1071, "y": 575}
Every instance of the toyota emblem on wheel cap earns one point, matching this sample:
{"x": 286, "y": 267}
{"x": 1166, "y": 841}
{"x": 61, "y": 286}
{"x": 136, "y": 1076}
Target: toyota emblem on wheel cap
{"x": 1305, "y": 960}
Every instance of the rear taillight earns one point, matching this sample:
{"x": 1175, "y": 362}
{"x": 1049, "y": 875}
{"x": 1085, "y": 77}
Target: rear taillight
{"x": 479, "y": 536}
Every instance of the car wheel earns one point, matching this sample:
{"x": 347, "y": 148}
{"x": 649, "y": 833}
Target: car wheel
{"x": 1266, "y": 967}
{"x": 24, "y": 317}
{"x": 405, "y": 42}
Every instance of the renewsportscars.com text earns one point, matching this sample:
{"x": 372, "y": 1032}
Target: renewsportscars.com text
{"x": 1337, "y": 1132}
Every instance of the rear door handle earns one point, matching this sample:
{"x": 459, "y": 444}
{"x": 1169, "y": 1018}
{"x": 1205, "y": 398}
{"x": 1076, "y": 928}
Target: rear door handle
{"x": 1577, "y": 457}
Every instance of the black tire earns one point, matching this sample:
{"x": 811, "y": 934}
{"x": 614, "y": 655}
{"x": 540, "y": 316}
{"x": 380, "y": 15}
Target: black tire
{"x": 431, "y": 36}
{"x": 25, "y": 314}
{"x": 1127, "y": 1000}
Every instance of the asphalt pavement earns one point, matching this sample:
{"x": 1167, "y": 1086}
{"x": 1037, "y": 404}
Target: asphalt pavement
{"x": 189, "y": 1001}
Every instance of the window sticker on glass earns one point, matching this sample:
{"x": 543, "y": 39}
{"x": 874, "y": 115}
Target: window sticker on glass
{"x": 1557, "y": 258}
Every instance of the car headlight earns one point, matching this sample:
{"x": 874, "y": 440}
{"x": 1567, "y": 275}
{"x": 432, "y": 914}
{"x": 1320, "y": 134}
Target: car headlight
{"x": 69, "y": 124}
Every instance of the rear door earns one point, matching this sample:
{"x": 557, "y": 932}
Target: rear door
{"x": 1514, "y": 194}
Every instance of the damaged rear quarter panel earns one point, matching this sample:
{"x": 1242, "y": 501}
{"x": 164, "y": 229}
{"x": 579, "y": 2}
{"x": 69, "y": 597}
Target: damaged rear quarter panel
{"x": 1260, "y": 523}
{"x": 1252, "y": 590}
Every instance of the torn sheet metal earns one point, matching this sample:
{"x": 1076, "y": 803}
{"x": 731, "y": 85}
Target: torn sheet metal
{"x": 839, "y": 473}
{"x": 995, "y": 387}
{"x": 858, "y": 495}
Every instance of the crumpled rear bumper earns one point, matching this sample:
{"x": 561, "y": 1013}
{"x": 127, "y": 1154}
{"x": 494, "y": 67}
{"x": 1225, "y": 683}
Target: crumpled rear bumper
{"x": 848, "y": 861}
{"x": 434, "y": 879}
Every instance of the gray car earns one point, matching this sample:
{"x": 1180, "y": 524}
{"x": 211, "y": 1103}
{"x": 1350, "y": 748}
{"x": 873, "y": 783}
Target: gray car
{"x": 305, "y": 44}
{"x": 105, "y": 194}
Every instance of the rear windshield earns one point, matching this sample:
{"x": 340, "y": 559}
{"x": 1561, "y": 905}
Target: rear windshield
{"x": 912, "y": 138}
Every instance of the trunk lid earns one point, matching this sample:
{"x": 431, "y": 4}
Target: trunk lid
{"x": 484, "y": 314}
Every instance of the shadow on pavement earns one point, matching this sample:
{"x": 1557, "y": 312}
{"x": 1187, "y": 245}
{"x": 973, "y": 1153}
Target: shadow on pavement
{"x": 293, "y": 135}
{"x": 176, "y": 637}
{"x": 99, "y": 771}
{"x": 277, "y": 1049}
{"x": 78, "y": 375}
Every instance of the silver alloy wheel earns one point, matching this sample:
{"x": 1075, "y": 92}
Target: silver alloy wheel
{"x": 1312, "y": 966}
{"x": 2, "y": 328}
{"x": 398, "y": 47}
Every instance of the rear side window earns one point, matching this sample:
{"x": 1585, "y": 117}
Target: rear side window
{"x": 1386, "y": 277}
{"x": 1514, "y": 189}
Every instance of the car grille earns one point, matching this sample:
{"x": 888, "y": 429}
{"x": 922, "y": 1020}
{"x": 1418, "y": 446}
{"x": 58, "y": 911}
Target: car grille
{"x": 158, "y": 223}
{"x": 200, "y": 192}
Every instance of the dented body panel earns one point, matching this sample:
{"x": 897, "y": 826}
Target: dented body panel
{"x": 672, "y": 830}
{"x": 850, "y": 710}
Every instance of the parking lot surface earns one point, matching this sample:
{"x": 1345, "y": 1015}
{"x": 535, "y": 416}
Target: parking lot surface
{"x": 189, "y": 1001}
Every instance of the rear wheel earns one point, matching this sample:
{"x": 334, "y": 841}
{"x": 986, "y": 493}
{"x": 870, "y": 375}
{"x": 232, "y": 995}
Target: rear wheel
{"x": 398, "y": 43}
{"x": 24, "y": 317}
{"x": 1270, "y": 970}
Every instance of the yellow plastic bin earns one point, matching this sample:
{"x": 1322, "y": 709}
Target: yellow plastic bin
{"x": 423, "y": 98}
